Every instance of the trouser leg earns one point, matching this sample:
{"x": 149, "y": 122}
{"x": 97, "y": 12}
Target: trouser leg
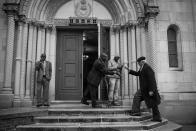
{"x": 86, "y": 92}
{"x": 39, "y": 93}
{"x": 156, "y": 113}
{"x": 93, "y": 91}
{"x": 45, "y": 92}
{"x": 116, "y": 89}
{"x": 136, "y": 102}
{"x": 111, "y": 89}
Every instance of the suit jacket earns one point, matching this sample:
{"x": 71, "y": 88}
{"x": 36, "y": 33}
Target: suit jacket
{"x": 48, "y": 70}
{"x": 98, "y": 71}
{"x": 147, "y": 83}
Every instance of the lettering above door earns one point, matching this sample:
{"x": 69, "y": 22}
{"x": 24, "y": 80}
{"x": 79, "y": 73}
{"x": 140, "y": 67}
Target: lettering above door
{"x": 78, "y": 20}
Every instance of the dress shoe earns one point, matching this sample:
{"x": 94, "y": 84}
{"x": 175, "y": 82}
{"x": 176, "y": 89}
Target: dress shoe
{"x": 109, "y": 104}
{"x": 156, "y": 120}
{"x": 96, "y": 106}
{"x": 38, "y": 105}
{"x": 135, "y": 114}
{"x": 116, "y": 104}
{"x": 84, "y": 102}
{"x": 46, "y": 105}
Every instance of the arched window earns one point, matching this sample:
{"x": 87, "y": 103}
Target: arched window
{"x": 174, "y": 47}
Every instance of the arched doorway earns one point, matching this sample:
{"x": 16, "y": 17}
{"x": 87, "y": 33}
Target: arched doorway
{"x": 118, "y": 19}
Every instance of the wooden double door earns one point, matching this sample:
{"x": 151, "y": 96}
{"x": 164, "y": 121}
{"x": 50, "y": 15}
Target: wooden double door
{"x": 69, "y": 63}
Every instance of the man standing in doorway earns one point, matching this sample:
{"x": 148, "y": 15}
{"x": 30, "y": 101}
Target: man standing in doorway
{"x": 98, "y": 71}
{"x": 148, "y": 90}
{"x": 44, "y": 69}
{"x": 114, "y": 81}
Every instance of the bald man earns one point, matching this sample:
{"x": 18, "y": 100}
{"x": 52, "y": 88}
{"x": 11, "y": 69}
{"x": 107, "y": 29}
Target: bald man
{"x": 98, "y": 71}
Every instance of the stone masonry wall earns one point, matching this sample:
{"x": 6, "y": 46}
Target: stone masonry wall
{"x": 3, "y": 40}
{"x": 177, "y": 85}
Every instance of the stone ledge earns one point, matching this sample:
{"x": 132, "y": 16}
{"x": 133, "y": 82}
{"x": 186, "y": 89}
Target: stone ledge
{"x": 10, "y": 118}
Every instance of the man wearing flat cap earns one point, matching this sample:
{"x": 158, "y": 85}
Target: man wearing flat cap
{"x": 44, "y": 73}
{"x": 148, "y": 90}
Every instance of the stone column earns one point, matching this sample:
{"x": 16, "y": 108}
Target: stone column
{"x": 132, "y": 57}
{"x": 11, "y": 10}
{"x": 28, "y": 100}
{"x": 52, "y": 59}
{"x": 39, "y": 40}
{"x": 125, "y": 55}
{"x": 48, "y": 41}
{"x": 151, "y": 13}
{"x": 43, "y": 41}
{"x": 117, "y": 41}
{"x": 138, "y": 41}
{"x": 133, "y": 63}
{"x": 6, "y": 94}
{"x": 130, "y": 81}
{"x": 17, "y": 100}
{"x": 23, "y": 64}
{"x": 143, "y": 40}
{"x": 112, "y": 43}
{"x": 33, "y": 78}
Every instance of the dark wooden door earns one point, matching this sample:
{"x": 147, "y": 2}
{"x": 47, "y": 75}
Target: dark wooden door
{"x": 69, "y": 65}
{"x": 104, "y": 48}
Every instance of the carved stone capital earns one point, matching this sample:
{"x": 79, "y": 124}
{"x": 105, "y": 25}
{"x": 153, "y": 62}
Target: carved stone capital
{"x": 51, "y": 26}
{"x": 31, "y": 21}
{"x": 22, "y": 19}
{"x": 131, "y": 23}
{"x": 142, "y": 21}
{"x": 40, "y": 24}
{"x": 151, "y": 11}
{"x": 115, "y": 27}
{"x": 11, "y": 8}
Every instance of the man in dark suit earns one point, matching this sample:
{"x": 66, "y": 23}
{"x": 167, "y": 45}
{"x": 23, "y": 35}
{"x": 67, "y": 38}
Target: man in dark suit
{"x": 98, "y": 71}
{"x": 44, "y": 73}
{"x": 148, "y": 90}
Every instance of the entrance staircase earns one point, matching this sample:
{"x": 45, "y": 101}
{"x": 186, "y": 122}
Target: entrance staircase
{"x": 78, "y": 117}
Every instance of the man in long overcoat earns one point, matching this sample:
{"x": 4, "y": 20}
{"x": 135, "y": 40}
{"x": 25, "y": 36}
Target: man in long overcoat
{"x": 44, "y": 73}
{"x": 148, "y": 90}
{"x": 98, "y": 71}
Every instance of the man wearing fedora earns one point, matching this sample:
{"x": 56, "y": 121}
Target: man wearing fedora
{"x": 148, "y": 90}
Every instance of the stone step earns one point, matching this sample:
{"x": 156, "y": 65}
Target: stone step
{"x": 93, "y": 118}
{"x": 98, "y": 111}
{"x": 98, "y": 126}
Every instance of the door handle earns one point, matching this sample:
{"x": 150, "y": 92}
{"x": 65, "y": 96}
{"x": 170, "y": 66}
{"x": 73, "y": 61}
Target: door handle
{"x": 59, "y": 68}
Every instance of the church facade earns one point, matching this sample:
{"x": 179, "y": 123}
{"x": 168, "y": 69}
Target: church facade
{"x": 73, "y": 33}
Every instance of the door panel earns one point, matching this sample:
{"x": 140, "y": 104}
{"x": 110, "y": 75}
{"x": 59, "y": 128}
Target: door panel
{"x": 104, "y": 48}
{"x": 68, "y": 73}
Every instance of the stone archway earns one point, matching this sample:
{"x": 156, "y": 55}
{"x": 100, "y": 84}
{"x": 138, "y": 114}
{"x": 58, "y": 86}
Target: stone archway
{"x": 35, "y": 18}
{"x": 41, "y": 14}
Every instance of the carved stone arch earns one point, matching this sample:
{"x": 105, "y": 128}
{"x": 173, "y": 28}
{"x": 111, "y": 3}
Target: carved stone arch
{"x": 41, "y": 7}
{"x": 53, "y": 7}
{"x": 112, "y": 8}
{"x": 121, "y": 11}
{"x": 24, "y": 7}
{"x": 139, "y": 6}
